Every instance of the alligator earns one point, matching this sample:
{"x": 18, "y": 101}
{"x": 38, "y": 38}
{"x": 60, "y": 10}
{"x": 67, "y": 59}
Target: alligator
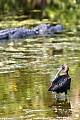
{"x": 40, "y": 30}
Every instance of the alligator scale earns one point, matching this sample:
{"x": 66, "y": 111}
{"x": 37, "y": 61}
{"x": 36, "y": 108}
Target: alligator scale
{"x": 40, "y": 30}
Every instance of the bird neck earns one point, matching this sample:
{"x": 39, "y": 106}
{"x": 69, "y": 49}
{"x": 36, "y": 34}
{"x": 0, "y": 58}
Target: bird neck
{"x": 66, "y": 72}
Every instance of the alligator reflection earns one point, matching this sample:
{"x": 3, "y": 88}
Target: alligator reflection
{"x": 62, "y": 108}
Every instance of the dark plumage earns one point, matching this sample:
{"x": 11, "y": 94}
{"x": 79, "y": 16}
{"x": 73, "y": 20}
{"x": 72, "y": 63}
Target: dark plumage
{"x": 62, "y": 82}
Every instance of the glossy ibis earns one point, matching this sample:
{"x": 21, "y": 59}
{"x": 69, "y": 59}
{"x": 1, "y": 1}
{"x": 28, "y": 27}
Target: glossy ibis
{"x": 62, "y": 82}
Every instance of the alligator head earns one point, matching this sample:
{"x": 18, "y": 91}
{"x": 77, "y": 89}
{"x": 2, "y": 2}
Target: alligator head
{"x": 47, "y": 29}
{"x": 56, "y": 28}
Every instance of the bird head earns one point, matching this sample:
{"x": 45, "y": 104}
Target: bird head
{"x": 65, "y": 68}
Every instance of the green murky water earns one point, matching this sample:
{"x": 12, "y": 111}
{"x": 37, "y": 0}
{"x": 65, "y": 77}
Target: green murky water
{"x": 27, "y": 68}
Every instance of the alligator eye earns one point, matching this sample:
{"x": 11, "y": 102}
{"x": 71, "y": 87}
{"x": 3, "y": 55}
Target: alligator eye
{"x": 37, "y": 31}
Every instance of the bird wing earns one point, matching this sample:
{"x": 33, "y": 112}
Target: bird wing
{"x": 62, "y": 83}
{"x": 54, "y": 83}
{"x": 57, "y": 84}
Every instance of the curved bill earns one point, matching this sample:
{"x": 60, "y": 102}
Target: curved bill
{"x": 59, "y": 72}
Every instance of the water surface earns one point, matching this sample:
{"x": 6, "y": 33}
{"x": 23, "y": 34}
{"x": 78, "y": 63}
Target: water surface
{"x": 27, "y": 68}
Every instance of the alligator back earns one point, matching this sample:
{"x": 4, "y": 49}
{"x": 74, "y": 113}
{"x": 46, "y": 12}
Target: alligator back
{"x": 4, "y": 34}
{"x": 22, "y": 33}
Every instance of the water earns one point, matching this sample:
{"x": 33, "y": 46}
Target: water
{"x": 27, "y": 68}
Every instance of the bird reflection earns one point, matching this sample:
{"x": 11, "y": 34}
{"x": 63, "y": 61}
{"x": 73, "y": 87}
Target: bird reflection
{"x": 61, "y": 108}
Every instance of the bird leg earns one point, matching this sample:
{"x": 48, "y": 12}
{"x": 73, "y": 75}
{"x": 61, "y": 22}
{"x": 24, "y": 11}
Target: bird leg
{"x": 57, "y": 95}
{"x": 66, "y": 95}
